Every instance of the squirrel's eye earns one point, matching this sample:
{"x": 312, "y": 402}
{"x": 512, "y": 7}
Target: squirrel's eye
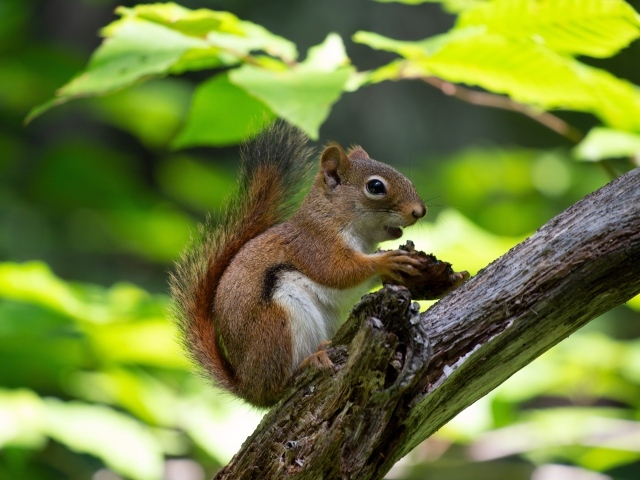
{"x": 376, "y": 187}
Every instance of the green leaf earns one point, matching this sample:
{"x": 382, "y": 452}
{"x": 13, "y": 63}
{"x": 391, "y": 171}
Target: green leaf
{"x": 255, "y": 37}
{"x": 604, "y": 458}
{"x": 196, "y": 23}
{"x": 303, "y": 94}
{"x": 221, "y": 114}
{"x": 616, "y": 101}
{"x": 328, "y": 56}
{"x": 225, "y": 113}
{"x": 221, "y": 29}
{"x": 138, "y": 50}
{"x": 303, "y": 97}
{"x": 416, "y": 50}
{"x": 602, "y": 143}
{"x": 518, "y": 68}
{"x": 598, "y": 28}
{"x": 159, "y": 39}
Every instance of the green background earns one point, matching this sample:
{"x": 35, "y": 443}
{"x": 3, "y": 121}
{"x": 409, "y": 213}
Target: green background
{"x": 95, "y": 204}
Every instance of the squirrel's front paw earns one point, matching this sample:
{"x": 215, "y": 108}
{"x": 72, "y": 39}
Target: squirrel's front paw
{"x": 435, "y": 279}
{"x": 395, "y": 262}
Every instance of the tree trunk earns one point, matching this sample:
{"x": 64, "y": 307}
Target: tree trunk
{"x": 400, "y": 375}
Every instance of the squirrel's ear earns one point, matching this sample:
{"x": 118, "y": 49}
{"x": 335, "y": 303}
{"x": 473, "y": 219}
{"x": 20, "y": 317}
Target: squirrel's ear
{"x": 333, "y": 163}
{"x": 357, "y": 152}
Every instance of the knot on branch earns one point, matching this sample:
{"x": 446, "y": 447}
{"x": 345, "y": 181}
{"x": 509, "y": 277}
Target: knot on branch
{"x": 383, "y": 334}
{"x": 384, "y": 331}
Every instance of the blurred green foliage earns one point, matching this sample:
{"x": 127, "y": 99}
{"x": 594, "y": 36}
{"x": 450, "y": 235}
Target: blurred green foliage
{"x": 99, "y": 371}
{"x": 96, "y": 200}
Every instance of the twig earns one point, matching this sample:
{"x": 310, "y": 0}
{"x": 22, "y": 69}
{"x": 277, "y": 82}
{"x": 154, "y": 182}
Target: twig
{"x": 486, "y": 99}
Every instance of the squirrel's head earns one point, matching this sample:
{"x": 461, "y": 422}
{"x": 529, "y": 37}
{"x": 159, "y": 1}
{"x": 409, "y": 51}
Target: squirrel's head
{"x": 380, "y": 200}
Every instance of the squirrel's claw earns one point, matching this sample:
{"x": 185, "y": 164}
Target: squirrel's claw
{"x": 319, "y": 359}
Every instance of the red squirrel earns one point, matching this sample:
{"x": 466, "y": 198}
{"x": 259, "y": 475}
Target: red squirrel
{"x": 257, "y": 294}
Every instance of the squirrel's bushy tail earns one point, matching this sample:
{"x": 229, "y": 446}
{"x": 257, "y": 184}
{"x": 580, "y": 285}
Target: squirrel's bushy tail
{"x": 273, "y": 167}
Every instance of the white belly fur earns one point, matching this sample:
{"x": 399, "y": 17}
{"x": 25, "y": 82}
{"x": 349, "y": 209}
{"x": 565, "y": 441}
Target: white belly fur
{"x": 315, "y": 310}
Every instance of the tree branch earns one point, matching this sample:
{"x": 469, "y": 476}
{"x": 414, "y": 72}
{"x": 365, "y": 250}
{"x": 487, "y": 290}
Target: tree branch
{"x": 492, "y": 100}
{"x": 399, "y": 376}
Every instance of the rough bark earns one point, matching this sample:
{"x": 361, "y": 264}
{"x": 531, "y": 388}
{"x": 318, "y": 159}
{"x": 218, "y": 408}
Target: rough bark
{"x": 400, "y": 375}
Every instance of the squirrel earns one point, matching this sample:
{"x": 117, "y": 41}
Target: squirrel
{"x": 259, "y": 295}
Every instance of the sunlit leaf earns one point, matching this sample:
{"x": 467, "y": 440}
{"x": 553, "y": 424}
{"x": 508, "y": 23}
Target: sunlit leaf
{"x": 631, "y": 365}
{"x": 196, "y": 23}
{"x": 328, "y": 56}
{"x": 303, "y": 95}
{"x": 220, "y": 29}
{"x": 601, "y": 458}
{"x": 254, "y": 37}
{"x": 225, "y": 113}
{"x": 518, "y": 68}
{"x": 155, "y": 40}
{"x": 598, "y": 28}
{"x": 416, "y": 50}
{"x": 138, "y": 50}
{"x": 603, "y": 143}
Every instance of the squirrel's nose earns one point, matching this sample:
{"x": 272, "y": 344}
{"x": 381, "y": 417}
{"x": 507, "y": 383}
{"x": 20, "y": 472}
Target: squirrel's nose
{"x": 419, "y": 211}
